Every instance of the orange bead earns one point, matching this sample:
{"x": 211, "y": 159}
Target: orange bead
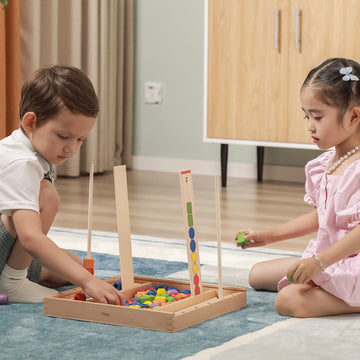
{"x": 88, "y": 263}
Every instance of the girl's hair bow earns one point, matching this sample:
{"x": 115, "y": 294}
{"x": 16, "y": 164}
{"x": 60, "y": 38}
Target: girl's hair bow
{"x": 346, "y": 71}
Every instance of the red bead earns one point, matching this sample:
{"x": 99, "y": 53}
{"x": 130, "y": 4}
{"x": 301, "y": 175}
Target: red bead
{"x": 80, "y": 296}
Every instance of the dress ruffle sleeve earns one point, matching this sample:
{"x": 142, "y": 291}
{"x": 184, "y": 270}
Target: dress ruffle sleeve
{"x": 314, "y": 171}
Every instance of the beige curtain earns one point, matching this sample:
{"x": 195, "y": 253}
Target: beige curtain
{"x": 9, "y": 67}
{"x": 97, "y": 37}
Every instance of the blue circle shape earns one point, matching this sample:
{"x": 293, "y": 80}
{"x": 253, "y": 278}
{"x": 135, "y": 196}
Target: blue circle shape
{"x": 192, "y": 245}
{"x": 191, "y": 233}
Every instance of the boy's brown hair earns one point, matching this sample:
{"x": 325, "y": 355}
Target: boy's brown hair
{"x": 50, "y": 90}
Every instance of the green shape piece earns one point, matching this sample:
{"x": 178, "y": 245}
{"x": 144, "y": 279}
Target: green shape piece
{"x": 190, "y": 220}
{"x": 144, "y": 298}
{"x": 241, "y": 241}
{"x": 170, "y": 299}
{"x": 291, "y": 276}
{"x": 189, "y": 207}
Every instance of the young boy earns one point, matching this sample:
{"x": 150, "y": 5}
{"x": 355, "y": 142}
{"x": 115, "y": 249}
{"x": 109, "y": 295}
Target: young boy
{"x": 58, "y": 107}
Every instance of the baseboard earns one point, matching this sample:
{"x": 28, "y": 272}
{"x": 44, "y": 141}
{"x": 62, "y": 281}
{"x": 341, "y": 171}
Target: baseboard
{"x": 203, "y": 167}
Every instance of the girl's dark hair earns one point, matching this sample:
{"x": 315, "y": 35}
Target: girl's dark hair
{"x": 50, "y": 90}
{"x": 326, "y": 80}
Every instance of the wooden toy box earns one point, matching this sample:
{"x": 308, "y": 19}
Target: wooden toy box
{"x": 207, "y": 301}
{"x": 170, "y": 318}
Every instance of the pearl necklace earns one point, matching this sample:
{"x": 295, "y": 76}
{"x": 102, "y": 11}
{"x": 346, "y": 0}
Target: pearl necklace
{"x": 330, "y": 169}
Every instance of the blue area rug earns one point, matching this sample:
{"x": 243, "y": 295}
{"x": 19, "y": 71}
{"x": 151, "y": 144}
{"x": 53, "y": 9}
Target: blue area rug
{"x": 27, "y": 334}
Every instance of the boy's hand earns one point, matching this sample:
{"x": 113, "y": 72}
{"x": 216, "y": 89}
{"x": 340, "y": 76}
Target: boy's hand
{"x": 103, "y": 292}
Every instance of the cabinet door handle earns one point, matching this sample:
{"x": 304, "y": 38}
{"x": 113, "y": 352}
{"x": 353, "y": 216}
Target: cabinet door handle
{"x": 276, "y": 27}
{"x": 296, "y": 27}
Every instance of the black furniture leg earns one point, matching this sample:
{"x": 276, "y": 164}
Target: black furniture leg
{"x": 260, "y": 163}
{"x": 260, "y": 150}
{"x": 224, "y": 161}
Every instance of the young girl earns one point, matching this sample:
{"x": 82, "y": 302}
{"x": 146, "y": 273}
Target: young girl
{"x": 326, "y": 281}
{"x": 58, "y": 107}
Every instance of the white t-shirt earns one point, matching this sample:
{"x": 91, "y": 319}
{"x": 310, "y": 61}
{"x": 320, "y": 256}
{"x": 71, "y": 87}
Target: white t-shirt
{"x": 21, "y": 171}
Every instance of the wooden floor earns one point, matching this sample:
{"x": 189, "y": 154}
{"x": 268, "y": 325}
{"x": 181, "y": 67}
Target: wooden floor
{"x": 156, "y": 209}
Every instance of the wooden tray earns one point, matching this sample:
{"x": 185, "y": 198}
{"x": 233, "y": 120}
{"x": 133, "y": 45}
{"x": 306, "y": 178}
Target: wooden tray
{"x": 169, "y": 318}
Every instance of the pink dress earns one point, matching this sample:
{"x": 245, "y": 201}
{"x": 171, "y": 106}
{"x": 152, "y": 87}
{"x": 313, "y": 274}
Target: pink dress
{"x": 337, "y": 199}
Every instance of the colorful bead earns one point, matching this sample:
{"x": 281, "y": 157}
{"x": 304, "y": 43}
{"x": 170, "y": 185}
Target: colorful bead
{"x": 3, "y": 299}
{"x": 156, "y": 296}
{"x": 80, "y": 296}
{"x": 117, "y": 285}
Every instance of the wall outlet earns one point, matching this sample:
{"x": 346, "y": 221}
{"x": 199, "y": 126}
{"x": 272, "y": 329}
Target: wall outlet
{"x": 153, "y": 93}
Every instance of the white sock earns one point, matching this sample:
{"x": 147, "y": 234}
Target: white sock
{"x": 19, "y": 289}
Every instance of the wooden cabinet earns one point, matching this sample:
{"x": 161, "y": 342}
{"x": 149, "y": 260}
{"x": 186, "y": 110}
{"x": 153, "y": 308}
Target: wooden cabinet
{"x": 259, "y": 52}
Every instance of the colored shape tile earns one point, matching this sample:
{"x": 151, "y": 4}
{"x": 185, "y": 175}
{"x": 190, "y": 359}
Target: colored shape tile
{"x": 190, "y": 220}
{"x": 189, "y": 207}
{"x": 196, "y": 279}
{"x": 192, "y": 233}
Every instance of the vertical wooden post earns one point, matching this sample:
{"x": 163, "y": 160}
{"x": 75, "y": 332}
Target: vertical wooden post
{"x": 187, "y": 194}
{"x": 218, "y": 228}
{"x": 123, "y": 226}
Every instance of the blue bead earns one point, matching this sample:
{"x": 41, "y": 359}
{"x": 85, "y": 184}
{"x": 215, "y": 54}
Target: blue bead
{"x": 186, "y": 291}
{"x": 191, "y": 233}
{"x": 117, "y": 285}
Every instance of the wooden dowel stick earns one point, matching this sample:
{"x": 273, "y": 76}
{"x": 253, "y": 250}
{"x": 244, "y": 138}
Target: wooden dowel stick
{"x": 90, "y": 209}
{"x": 88, "y": 261}
{"x": 218, "y": 228}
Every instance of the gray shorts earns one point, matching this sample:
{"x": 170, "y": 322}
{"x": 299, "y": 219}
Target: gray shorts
{"x": 6, "y": 244}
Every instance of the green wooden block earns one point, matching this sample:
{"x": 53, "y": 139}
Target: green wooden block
{"x": 241, "y": 241}
{"x": 190, "y": 220}
{"x": 144, "y": 298}
{"x": 189, "y": 207}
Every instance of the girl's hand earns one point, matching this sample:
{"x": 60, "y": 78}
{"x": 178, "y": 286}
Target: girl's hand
{"x": 103, "y": 292}
{"x": 304, "y": 271}
{"x": 256, "y": 238}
